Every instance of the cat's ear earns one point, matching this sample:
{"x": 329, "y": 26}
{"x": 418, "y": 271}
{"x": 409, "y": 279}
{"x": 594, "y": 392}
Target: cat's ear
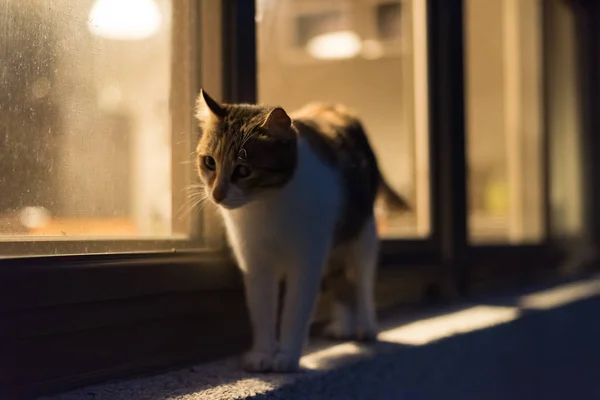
{"x": 278, "y": 121}
{"x": 206, "y": 107}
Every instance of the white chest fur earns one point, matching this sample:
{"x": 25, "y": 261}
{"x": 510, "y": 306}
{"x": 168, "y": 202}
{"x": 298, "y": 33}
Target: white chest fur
{"x": 288, "y": 234}
{"x": 286, "y": 223}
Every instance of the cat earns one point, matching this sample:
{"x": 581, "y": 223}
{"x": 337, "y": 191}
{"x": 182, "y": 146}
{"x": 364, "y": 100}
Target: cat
{"x": 297, "y": 195}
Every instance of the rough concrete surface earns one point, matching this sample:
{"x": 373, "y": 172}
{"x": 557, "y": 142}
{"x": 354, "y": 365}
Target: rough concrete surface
{"x": 550, "y": 350}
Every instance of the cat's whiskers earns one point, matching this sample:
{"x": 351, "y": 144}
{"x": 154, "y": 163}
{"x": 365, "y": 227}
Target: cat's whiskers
{"x": 194, "y": 186}
{"x": 199, "y": 205}
{"x": 193, "y": 204}
{"x": 196, "y": 196}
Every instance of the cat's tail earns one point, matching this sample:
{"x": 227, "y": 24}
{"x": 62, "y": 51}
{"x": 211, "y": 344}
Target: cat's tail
{"x": 392, "y": 201}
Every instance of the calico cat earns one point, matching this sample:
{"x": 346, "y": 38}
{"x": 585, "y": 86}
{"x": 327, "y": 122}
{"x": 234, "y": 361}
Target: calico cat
{"x": 297, "y": 197}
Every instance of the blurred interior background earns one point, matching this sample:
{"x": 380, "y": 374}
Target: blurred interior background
{"x": 86, "y": 134}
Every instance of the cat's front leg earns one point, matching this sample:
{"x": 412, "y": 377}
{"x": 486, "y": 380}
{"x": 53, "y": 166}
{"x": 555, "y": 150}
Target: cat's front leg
{"x": 302, "y": 288}
{"x": 261, "y": 285}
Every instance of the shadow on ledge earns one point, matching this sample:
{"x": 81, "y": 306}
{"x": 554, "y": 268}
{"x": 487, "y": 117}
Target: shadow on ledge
{"x": 526, "y": 346}
{"x": 544, "y": 355}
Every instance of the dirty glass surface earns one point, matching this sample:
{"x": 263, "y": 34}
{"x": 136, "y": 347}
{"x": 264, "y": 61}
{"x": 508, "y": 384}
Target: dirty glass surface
{"x": 85, "y": 127}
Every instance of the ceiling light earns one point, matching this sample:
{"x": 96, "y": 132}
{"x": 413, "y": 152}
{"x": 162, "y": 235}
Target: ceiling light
{"x": 335, "y": 45}
{"x": 124, "y": 19}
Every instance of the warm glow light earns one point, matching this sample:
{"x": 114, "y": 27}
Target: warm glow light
{"x": 414, "y": 334}
{"x": 425, "y": 331}
{"x": 469, "y": 320}
{"x": 124, "y": 19}
{"x": 372, "y": 49}
{"x": 562, "y": 295}
{"x": 329, "y": 357}
{"x": 335, "y": 45}
{"x": 34, "y": 217}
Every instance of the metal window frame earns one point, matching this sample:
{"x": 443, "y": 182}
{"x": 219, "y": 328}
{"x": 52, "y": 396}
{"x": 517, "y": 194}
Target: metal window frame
{"x": 588, "y": 16}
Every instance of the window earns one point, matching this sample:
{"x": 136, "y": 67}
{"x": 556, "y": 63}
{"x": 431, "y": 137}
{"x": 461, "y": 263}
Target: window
{"x": 370, "y": 56}
{"x": 96, "y": 133}
{"x": 504, "y": 120}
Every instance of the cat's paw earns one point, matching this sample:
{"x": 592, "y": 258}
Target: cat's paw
{"x": 257, "y": 361}
{"x": 284, "y": 362}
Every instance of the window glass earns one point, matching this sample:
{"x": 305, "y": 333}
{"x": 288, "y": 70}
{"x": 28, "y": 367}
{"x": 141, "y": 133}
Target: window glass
{"x": 504, "y": 120}
{"x": 369, "y": 55}
{"x": 85, "y": 134}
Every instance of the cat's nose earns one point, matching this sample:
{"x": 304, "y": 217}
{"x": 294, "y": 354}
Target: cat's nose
{"x": 219, "y": 193}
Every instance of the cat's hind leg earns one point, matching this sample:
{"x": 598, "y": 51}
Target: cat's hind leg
{"x": 343, "y": 292}
{"x": 363, "y": 257}
{"x": 351, "y": 283}
{"x": 303, "y": 279}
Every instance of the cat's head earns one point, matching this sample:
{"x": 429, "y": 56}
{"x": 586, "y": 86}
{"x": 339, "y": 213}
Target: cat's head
{"x": 244, "y": 150}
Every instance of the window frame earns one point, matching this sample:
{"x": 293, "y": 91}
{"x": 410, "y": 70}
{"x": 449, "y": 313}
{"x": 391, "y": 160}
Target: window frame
{"x": 587, "y": 14}
{"x": 183, "y": 90}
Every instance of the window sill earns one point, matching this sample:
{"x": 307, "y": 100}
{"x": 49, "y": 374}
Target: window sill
{"x": 89, "y": 318}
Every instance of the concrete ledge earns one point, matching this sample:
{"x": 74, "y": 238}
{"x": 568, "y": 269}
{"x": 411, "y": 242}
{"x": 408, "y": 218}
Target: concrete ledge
{"x": 540, "y": 343}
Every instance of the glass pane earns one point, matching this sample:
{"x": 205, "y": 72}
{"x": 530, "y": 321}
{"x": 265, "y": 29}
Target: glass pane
{"x": 85, "y": 133}
{"x": 564, "y": 125}
{"x": 369, "y": 55}
{"x": 504, "y": 120}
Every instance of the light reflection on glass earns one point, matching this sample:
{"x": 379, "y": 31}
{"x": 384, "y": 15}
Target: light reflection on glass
{"x": 124, "y": 20}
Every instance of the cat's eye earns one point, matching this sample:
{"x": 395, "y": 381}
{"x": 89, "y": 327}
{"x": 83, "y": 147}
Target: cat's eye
{"x": 242, "y": 171}
{"x": 209, "y": 163}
